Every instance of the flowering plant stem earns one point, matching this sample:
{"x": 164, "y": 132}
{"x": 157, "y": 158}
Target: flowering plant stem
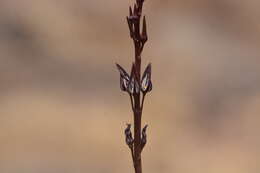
{"x": 135, "y": 86}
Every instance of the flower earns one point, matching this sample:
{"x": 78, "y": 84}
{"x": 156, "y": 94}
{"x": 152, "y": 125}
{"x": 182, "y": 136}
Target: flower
{"x": 128, "y": 83}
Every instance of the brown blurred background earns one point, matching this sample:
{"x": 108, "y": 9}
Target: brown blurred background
{"x": 62, "y": 110}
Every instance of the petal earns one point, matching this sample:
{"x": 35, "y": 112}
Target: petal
{"x": 124, "y": 78}
{"x": 131, "y": 85}
{"x": 123, "y": 83}
{"x": 150, "y": 87}
{"x": 146, "y": 83}
{"x": 137, "y": 87}
{"x": 122, "y": 72}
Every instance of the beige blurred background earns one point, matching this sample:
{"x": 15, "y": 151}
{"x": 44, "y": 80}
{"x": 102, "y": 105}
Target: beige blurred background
{"x": 62, "y": 110}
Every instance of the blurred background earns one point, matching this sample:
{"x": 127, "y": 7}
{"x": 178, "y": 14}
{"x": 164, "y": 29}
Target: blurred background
{"x": 62, "y": 110}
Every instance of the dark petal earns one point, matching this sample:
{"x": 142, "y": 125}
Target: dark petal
{"x": 122, "y": 72}
{"x": 145, "y": 82}
{"x": 124, "y": 78}
{"x": 131, "y": 85}
{"x": 137, "y": 87}
{"x": 123, "y": 83}
{"x": 150, "y": 87}
{"x": 147, "y": 71}
{"x": 146, "y": 79}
